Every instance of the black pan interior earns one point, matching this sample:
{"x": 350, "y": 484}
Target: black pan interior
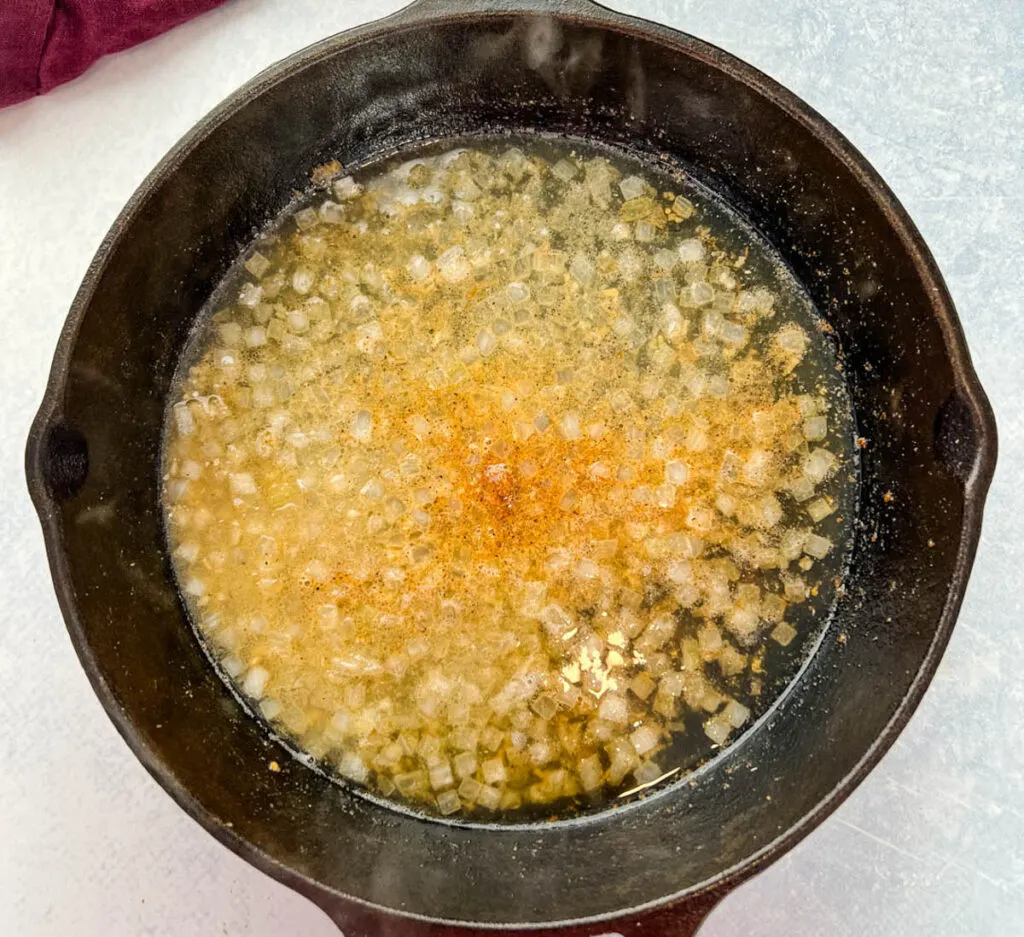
{"x": 358, "y": 98}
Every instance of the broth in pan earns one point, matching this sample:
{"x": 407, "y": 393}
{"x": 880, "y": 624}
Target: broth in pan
{"x": 510, "y": 480}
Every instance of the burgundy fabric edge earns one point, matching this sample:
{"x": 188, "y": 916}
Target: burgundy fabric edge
{"x": 21, "y": 18}
{"x": 84, "y": 31}
{"x": 46, "y": 43}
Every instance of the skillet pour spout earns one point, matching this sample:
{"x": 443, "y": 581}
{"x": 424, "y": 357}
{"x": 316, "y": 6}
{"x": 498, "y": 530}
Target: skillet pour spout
{"x": 437, "y": 70}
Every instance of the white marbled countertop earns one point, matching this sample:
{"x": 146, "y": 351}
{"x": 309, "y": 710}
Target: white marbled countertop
{"x": 932, "y": 91}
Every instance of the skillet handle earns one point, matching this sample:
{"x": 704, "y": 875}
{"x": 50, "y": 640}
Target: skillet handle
{"x": 679, "y": 920}
{"x": 56, "y": 461}
{"x": 965, "y": 438}
{"x": 425, "y": 8}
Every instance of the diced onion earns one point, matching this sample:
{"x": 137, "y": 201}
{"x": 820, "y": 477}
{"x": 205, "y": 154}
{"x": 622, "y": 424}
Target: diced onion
{"x": 505, "y": 472}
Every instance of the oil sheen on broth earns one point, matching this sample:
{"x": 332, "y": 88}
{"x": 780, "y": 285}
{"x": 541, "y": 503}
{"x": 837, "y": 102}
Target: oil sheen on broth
{"x": 510, "y": 480}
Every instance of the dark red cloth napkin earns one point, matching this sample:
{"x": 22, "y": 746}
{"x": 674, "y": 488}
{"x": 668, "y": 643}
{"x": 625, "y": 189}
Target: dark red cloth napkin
{"x": 44, "y": 43}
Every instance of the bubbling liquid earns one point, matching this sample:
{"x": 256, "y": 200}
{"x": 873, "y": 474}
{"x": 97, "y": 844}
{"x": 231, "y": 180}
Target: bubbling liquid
{"x": 506, "y": 481}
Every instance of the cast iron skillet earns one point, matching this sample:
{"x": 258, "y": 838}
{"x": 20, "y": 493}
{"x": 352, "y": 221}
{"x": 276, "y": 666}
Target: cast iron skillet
{"x": 434, "y": 70}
